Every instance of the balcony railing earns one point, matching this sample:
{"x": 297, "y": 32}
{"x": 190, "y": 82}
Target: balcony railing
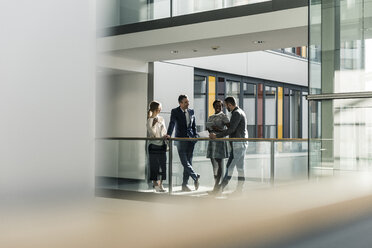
{"x": 122, "y": 12}
{"x": 122, "y": 163}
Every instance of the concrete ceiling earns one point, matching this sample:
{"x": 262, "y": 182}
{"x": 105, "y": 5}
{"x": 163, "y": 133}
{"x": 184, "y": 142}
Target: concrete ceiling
{"x": 279, "y": 29}
{"x": 225, "y": 45}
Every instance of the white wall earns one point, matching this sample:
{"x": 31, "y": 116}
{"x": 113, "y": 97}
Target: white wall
{"x": 278, "y": 67}
{"x": 46, "y": 99}
{"x": 121, "y": 105}
{"x": 121, "y": 112}
{"x": 170, "y": 81}
{"x": 262, "y": 64}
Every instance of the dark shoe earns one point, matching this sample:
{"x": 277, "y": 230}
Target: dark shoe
{"x": 196, "y": 182}
{"x": 161, "y": 189}
{"x": 215, "y": 190}
{"x": 237, "y": 192}
{"x": 185, "y": 188}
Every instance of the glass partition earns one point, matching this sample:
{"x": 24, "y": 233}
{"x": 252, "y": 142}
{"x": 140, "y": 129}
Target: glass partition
{"x": 291, "y": 161}
{"x": 123, "y": 165}
{"x": 340, "y": 125}
{"x": 305, "y": 116}
{"x": 256, "y": 167}
{"x": 346, "y": 140}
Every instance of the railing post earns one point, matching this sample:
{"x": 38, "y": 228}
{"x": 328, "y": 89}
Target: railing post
{"x": 272, "y": 161}
{"x": 170, "y": 158}
{"x": 171, "y": 8}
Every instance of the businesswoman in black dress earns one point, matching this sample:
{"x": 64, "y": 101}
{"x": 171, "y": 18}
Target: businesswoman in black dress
{"x": 157, "y": 148}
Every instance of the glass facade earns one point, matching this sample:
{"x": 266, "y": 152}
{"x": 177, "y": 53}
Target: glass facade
{"x": 183, "y": 7}
{"x": 273, "y": 109}
{"x": 340, "y": 123}
{"x": 112, "y": 13}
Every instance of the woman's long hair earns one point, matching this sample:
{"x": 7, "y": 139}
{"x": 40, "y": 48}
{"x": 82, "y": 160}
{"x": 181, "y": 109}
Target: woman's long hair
{"x": 153, "y": 106}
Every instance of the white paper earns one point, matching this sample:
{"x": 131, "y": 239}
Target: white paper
{"x": 203, "y": 134}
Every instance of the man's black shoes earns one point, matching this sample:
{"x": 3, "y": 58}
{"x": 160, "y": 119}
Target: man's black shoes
{"x": 196, "y": 182}
{"x": 185, "y": 188}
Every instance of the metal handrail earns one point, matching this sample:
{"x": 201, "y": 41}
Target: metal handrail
{"x": 222, "y": 139}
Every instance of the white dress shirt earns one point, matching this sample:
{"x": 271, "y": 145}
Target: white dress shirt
{"x": 187, "y": 117}
{"x": 156, "y": 131}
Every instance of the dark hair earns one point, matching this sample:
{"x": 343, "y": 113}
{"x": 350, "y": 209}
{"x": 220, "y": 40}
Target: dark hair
{"x": 153, "y": 106}
{"x": 230, "y": 100}
{"x": 217, "y": 101}
{"x": 181, "y": 97}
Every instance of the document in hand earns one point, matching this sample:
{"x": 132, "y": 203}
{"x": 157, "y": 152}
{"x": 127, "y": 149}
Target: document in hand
{"x": 203, "y": 134}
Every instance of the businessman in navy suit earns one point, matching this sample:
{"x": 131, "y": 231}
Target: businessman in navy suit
{"x": 183, "y": 119}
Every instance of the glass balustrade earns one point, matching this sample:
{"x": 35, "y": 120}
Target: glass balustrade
{"x": 291, "y": 161}
{"x": 123, "y": 164}
{"x": 112, "y": 13}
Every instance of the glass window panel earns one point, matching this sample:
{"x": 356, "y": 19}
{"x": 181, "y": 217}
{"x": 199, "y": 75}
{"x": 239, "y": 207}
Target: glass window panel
{"x": 346, "y": 139}
{"x": 342, "y": 126}
{"x": 200, "y": 98}
{"x": 120, "y": 12}
{"x": 260, "y": 91}
{"x": 233, "y": 89}
{"x": 221, "y": 86}
{"x": 304, "y": 116}
{"x": 200, "y": 83}
{"x": 295, "y": 111}
{"x": 315, "y": 46}
{"x": 270, "y": 112}
{"x": 249, "y": 106}
{"x": 183, "y": 7}
{"x": 344, "y": 33}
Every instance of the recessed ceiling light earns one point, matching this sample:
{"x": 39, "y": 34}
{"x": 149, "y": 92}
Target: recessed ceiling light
{"x": 215, "y": 47}
{"x": 258, "y": 41}
{"x": 174, "y": 51}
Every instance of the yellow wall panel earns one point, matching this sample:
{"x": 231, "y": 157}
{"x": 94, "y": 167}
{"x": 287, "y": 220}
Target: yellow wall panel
{"x": 211, "y": 94}
{"x": 280, "y": 112}
{"x": 304, "y": 51}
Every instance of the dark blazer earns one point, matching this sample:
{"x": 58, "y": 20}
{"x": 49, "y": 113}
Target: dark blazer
{"x": 178, "y": 121}
{"x": 238, "y": 125}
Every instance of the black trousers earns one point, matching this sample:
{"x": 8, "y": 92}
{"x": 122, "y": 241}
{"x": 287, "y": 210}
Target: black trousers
{"x": 158, "y": 160}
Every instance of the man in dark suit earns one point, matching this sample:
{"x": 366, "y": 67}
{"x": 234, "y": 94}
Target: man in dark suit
{"x": 183, "y": 119}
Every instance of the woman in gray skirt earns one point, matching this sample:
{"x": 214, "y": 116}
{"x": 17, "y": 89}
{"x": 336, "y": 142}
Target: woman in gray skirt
{"x": 217, "y": 150}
